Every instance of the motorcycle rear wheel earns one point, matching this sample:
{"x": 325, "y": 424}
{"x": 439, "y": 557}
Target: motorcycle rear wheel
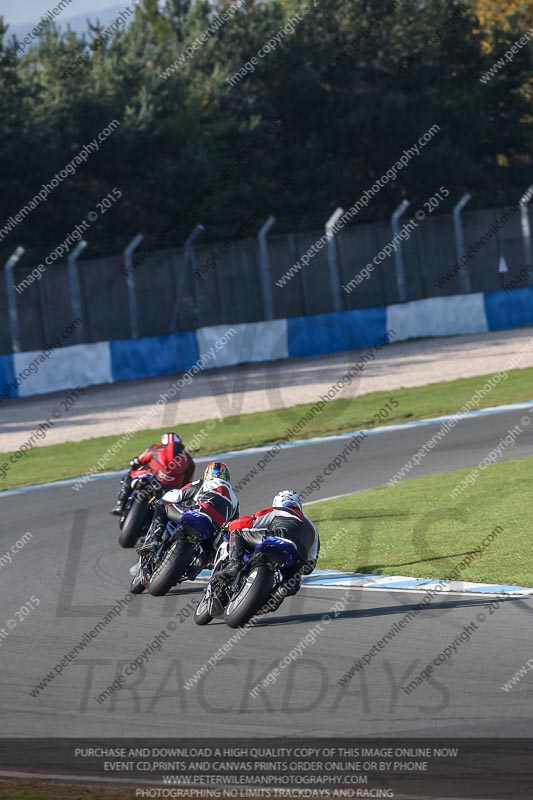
{"x": 255, "y": 592}
{"x": 173, "y": 566}
{"x": 133, "y": 524}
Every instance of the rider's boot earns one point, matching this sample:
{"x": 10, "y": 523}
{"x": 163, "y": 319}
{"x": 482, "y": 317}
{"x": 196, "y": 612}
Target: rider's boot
{"x": 237, "y": 548}
{"x": 123, "y": 494}
{"x": 199, "y": 563}
{"x": 153, "y": 540}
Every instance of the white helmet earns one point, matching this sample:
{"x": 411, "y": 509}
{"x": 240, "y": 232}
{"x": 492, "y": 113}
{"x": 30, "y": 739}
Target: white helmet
{"x": 287, "y": 499}
{"x": 170, "y": 438}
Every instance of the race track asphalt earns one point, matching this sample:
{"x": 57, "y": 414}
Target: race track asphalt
{"x": 75, "y": 569}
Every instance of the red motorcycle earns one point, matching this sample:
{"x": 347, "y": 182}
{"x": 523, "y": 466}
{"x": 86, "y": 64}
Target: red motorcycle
{"x": 137, "y": 515}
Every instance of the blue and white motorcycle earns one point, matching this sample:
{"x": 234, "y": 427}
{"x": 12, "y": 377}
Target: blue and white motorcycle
{"x": 179, "y": 557}
{"x": 239, "y": 599}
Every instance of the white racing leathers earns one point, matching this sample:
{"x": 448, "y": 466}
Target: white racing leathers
{"x": 213, "y": 497}
{"x": 286, "y": 523}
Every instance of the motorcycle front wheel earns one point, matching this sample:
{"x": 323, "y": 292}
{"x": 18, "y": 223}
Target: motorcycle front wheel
{"x": 201, "y": 614}
{"x": 137, "y": 586}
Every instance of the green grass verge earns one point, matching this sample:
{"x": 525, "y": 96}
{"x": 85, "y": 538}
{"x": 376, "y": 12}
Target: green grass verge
{"x": 415, "y": 528}
{"x": 55, "y": 462}
{"x": 44, "y": 790}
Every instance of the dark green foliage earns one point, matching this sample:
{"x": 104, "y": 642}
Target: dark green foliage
{"x": 356, "y": 83}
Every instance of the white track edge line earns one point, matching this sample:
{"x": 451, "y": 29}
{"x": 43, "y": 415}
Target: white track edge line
{"x": 299, "y": 443}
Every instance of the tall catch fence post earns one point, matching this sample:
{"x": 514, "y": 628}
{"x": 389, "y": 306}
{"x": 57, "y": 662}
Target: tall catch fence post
{"x": 334, "y": 276}
{"x": 526, "y": 232}
{"x": 12, "y": 297}
{"x": 130, "y": 282}
{"x": 75, "y": 295}
{"x": 264, "y": 266}
{"x": 188, "y": 270}
{"x": 464, "y": 277}
{"x": 398, "y": 253}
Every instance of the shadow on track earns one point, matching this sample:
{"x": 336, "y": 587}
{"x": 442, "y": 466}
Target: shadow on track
{"x": 361, "y": 613}
{"x": 377, "y": 568}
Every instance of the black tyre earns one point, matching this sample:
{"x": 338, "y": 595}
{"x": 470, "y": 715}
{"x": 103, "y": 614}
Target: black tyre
{"x": 137, "y": 586}
{"x": 134, "y": 523}
{"x": 201, "y": 614}
{"x": 172, "y": 567}
{"x": 255, "y": 592}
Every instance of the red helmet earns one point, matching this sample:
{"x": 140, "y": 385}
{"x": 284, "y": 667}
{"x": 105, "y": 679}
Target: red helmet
{"x": 169, "y": 438}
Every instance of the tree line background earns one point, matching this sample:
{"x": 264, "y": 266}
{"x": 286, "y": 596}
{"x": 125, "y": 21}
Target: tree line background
{"x": 357, "y": 82}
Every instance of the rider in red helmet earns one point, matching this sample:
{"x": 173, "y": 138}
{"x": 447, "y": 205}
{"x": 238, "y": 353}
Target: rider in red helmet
{"x": 170, "y": 462}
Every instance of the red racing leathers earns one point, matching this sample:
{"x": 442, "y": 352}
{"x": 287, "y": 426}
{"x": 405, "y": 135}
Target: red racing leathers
{"x": 172, "y": 465}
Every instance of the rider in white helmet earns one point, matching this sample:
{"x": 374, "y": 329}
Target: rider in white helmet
{"x": 285, "y": 519}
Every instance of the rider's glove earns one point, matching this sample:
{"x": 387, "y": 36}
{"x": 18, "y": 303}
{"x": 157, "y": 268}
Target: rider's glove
{"x": 134, "y": 462}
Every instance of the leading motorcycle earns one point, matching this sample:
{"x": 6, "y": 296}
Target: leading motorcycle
{"x": 135, "y": 520}
{"x": 236, "y": 601}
